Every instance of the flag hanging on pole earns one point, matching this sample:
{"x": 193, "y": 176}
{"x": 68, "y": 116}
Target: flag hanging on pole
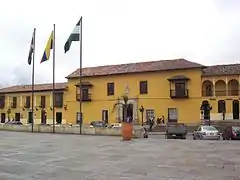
{"x": 31, "y": 50}
{"x": 74, "y": 36}
{"x": 48, "y": 48}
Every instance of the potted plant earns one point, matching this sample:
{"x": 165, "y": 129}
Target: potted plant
{"x": 127, "y": 126}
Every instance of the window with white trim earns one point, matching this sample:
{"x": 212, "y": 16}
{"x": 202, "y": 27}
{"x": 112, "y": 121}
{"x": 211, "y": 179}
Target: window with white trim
{"x": 149, "y": 113}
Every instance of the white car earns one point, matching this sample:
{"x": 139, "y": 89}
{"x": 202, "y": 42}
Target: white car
{"x": 206, "y": 132}
{"x": 115, "y": 125}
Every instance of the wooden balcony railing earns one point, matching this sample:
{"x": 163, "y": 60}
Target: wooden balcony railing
{"x": 221, "y": 93}
{"x": 183, "y": 93}
{"x": 86, "y": 97}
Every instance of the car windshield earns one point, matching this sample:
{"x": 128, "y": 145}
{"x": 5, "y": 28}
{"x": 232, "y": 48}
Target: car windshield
{"x": 209, "y": 128}
{"x": 236, "y": 128}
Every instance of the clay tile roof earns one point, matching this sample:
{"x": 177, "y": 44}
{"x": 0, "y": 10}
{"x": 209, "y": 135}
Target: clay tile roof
{"x": 229, "y": 69}
{"x": 37, "y": 87}
{"x": 151, "y": 66}
{"x": 178, "y": 77}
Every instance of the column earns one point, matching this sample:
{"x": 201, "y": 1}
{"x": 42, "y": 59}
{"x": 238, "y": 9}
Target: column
{"x": 21, "y": 103}
{"x": 35, "y": 101}
{"x": 213, "y": 81}
{"x": 50, "y": 100}
{"x": 226, "y": 82}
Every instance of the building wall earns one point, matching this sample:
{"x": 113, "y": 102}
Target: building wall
{"x": 158, "y": 97}
{"x": 37, "y": 110}
{"x": 224, "y": 88}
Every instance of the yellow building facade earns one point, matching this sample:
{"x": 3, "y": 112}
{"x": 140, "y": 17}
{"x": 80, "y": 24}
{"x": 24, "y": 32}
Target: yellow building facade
{"x": 16, "y": 104}
{"x": 164, "y": 88}
{"x": 175, "y": 90}
{"x": 220, "y": 89}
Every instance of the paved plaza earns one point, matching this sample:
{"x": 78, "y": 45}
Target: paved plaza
{"x": 27, "y": 156}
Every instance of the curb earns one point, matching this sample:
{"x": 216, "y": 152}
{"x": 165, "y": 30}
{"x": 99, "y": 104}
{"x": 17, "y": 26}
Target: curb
{"x": 162, "y": 133}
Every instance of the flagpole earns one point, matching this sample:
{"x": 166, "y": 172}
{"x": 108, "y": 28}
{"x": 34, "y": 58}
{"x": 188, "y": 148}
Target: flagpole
{"x": 80, "y": 76}
{"x": 53, "y": 96}
{"x": 33, "y": 72}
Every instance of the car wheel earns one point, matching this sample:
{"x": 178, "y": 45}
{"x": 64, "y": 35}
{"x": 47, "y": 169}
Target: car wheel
{"x": 194, "y": 138}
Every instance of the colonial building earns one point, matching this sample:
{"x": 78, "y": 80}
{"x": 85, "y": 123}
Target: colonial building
{"x": 220, "y": 89}
{"x": 15, "y": 103}
{"x": 178, "y": 90}
{"x": 169, "y": 88}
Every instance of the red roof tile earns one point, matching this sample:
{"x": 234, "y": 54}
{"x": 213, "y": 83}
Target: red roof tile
{"x": 37, "y": 87}
{"x": 151, "y": 66}
{"x": 217, "y": 70}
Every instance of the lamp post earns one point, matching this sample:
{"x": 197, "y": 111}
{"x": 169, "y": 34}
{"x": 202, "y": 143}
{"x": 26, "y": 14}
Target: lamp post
{"x": 141, "y": 109}
{"x": 209, "y": 108}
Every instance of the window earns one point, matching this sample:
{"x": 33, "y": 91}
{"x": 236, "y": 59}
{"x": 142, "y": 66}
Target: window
{"x": 43, "y": 101}
{"x": 58, "y": 100}
{"x": 179, "y": 86}
{"x": 14, "y": 102}
{"x": 2, "y": 102}
{"x": 28, "y": 102}
{"x": 149, "y": 113}
{"x": 172, "y": 114}
{"x": 180, "y": 90}
{"x": 110, "y": 89}
{"x": 105, "y": 116}
{"x": 85, "y": 94}
{"x": 143, "y": 87}
{"x": 221, "y": 106}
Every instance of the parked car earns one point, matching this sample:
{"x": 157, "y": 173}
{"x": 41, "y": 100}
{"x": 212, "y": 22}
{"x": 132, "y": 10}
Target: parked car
{"x": 231, "y": 133}
{"x": 14, "y": 122}
{"x": 115, "y": 125}
{"x": 176, "y": 131}
{"x": 98, "y": 124}
{"x": 206, "y": 132}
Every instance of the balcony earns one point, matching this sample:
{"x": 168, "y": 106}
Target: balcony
{"x": 181, "y": 93}
{"x": 85, "y": 97}
{"x": 220, "y": 93}
{"x": 233, "y": 92}
{"x": 207, "y": 93}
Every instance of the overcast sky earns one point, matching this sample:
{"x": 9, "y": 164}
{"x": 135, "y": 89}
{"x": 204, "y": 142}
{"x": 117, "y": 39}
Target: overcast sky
{"x": 116, "y": 31}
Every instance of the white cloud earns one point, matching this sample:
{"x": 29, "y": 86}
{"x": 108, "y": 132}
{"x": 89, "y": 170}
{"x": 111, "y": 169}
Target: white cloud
{"x": 117, "y": 31}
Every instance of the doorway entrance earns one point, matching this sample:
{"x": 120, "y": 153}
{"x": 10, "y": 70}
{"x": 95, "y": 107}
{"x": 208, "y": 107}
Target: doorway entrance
{"x": 3, "y": 117}
{"x": 235, "y": 109}
{"x": 30, "y": 117}
{"x": 129, "y": 111}
{"x": 58, "y": 117}
{"x": 43, "y": 117}
{"x": 172, "y": 115}
{"x": 205, "y": 107}
{"x": 17, "y": 116}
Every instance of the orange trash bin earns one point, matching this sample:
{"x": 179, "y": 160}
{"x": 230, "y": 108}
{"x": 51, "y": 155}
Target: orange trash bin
{"x": 127, "y": 129}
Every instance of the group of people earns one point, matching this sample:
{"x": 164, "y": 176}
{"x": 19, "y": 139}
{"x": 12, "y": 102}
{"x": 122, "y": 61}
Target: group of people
{"x": 152, "y": 121}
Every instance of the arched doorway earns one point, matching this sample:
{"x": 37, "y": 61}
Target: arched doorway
{"x": 235, "y": 109}
{"x": 233, "y": 87}
{"x": 43, "y": 117}
{"x": 220, "y": 88}
{"x": 205, "y": 107}
{"x": 207, "y": 88}
{"x": 129, "y": 111}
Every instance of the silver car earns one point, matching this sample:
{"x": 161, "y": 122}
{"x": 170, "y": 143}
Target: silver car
{"x": 206, "y": 132}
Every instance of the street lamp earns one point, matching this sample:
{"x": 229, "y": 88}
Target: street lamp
{"x": 141, "y": 109}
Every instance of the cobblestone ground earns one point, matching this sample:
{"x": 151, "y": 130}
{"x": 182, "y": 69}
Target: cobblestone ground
{"x": 27, "y": 156}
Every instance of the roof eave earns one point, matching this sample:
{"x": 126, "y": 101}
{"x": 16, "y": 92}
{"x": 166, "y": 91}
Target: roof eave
{"x": 194, "y": 67}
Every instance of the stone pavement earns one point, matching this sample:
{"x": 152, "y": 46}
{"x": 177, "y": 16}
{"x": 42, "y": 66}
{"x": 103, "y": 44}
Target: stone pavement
{"x": 27, "y": 156}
